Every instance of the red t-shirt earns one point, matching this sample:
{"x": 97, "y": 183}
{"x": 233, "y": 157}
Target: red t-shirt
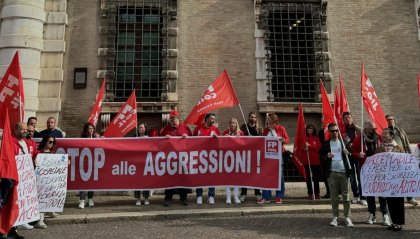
{"x": 226, "y": 132}
{"x": 203, "y": 130}
{"x": 180, "y": 130}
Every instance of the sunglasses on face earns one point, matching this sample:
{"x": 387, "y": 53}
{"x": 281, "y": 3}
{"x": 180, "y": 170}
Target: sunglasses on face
{"x": 50, "y": 142}
{"x": 334, "y": 131}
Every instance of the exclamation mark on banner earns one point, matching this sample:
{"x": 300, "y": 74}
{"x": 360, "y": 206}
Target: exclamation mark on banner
{"x": 258, "y": 162}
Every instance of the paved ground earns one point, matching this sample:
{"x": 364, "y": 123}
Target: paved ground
{"x": 116, "y": 216}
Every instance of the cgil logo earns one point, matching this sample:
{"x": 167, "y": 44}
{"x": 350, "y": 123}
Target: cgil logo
{"x": 208, "y": 95}
{"x": 272, "y": 146}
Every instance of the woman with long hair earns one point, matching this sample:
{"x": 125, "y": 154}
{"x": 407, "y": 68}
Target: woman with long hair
{"x": 89, "y": 131}
{"x": 233, "y": 131}
{"x": 142, "y": 132}
{"x": 312, "y": 146}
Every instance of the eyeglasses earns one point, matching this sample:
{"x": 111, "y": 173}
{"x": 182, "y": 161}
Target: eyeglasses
{"x": 334, "y": 131}
{"x": 50, "y": 142}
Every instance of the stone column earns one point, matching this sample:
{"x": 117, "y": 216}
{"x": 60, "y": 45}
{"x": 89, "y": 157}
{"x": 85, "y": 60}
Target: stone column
{"x": 22, "y": 26}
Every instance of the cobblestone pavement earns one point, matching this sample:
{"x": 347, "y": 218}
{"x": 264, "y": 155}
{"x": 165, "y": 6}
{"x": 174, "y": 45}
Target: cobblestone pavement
{"x": 252, "y": 226}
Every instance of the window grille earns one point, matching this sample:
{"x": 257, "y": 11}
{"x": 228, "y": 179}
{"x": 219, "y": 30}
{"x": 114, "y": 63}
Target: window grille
{"x": 138, "y": 45}
{"x": 294, "y": 50}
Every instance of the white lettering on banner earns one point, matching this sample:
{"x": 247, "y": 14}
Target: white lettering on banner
{"x": 199, "y": 162}
{"x": 123, "y": 169}
{"x": 125, "y": 115}
{"x": 391, "y": 175}
{"x": 208, "y": 95}
{"x": 94, "y": 163}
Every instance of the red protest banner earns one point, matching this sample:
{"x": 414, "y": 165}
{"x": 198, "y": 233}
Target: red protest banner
{"x": 153, "y": 163}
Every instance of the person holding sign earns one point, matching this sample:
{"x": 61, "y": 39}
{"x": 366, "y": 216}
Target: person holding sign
{"x": 335, "y": 157}
{"x": 88, "y": 132}
{"x": 395, "y": 204}
{"x": 233, "y": 131}
{"x": 370, "y": 144}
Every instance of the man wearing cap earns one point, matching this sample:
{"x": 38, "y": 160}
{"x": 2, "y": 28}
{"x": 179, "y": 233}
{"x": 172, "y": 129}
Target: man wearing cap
{"x": 206, "y": 129}
{"x": 175, "y": 128}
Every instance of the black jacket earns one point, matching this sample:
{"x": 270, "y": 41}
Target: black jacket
{"x": 327, "y": 161}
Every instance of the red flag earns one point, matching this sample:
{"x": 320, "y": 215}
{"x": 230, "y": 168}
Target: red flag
{"x": 337, "y": 105}
{"x": 299, "y": 153}
{"x": 371, "y": 103}
{"x": 11, "y": 92}
{"x": 418, "y": 86}
{"x": 220, "y": 94}
{"x": 96, "y": 110}
{"x": 10, "y": 210}
{"x": 344, "y": 104}
{"x": 327, "y": 112}
{"x": 125, "y": 120}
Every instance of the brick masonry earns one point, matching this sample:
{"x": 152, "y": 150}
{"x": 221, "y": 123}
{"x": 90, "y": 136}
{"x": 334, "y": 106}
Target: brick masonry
{"x": 219, "y": 34}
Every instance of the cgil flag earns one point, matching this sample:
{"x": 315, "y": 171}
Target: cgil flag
{"x": 327, "y": 112}
{"x": 219, "y": 94}
{"x": 371, "y": 103}
{"x": 9, "y": 211}
{"x": 344, "y": 104}
{"x": 125, "y": 120}
{"x": 96, "y": 110}
{"x": 299, "y": 153}
{"x": 11, "y": 93}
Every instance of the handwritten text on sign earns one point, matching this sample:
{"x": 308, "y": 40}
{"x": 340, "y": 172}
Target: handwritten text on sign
{"x": 51, "y": 177}
{"x": 391, "y": 175}
{"x": 27, "y": 192}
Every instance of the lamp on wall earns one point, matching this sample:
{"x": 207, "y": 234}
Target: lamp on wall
{"x": 80, "y": 78}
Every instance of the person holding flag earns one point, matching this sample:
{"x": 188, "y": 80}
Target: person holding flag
{"x": 274, "y": 129}
{"x": 334, "y": 154}
{"x": 312, "y": 164}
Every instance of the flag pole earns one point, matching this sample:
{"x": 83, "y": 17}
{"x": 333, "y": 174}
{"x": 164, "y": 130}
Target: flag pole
{"x": 361, "y": 108}
{"x": 310, "y": 171}
{"x": 243, "y": 116}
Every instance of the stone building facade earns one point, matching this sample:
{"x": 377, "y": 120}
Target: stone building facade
{"x": 179, "y": 47}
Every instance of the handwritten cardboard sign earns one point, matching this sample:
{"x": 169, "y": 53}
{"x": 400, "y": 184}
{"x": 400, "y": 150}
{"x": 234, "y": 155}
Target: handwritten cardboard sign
{"x": 391, "y": 175}
{"x": 51, "y": 177}
{"x": 27, "y": 191}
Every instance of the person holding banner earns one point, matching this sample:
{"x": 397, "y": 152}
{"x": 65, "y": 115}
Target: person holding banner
{"x": 206, "y": 129}
{"x": 46, "y": 146}
{"x": 401, "y": 139}
{"x": 274, "y": 129}
{"x": 395, "y": 204}
{"x": 142, "y": 132}
{"x": 175, "y": 128}
{"x": 312, "y": 145}
{"x": 251, "y": 128}
{"x": 370, "y": 144}
{"x": 334, "y": 155}
{"x": 233, "y": 131}
{"x": 89, "y": 131}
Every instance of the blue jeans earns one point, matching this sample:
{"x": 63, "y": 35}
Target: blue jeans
{"x": 199, "y": 192}
{"x": 266, "y": 194}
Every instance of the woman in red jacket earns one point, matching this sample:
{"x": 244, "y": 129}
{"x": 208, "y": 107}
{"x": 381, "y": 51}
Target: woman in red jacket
{"x": 312, "y": 145}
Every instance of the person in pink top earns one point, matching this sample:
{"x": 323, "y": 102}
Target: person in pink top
{"x": 208, "y": 128}
{"x": 233, "y": 131}
{"x": 274, "y": 129}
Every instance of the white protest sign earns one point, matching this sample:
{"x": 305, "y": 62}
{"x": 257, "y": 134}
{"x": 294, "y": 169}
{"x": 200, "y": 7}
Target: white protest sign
{"x": 391, "y": 175}
{"x": 27, "y": 192}
{"x": 51, "y": 177}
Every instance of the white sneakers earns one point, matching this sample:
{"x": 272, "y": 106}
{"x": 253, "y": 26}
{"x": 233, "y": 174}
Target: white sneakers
{"x": 387, "y": 221}
{"x": 146, "y": 202}
{"x": 371, "y": 219}
{"x": 237, "y": 200}
{"x": 52, "y": 214}
{"x": 347, "y": 222}
{"x": 334, "y": 222}
{"x": 81, "y": 204}
{"x": 211, "y": 200}
{"x": 355, "y": 200}
{"x": 228, "y": 200}
{"x": 242, "y": 198}
{"x": 40, "y": 225}
{"x": 90, "y": 202}
{"x": 199, "y": 200}
{"x": 138, "y": 202}
{"x": 363, "y": 202}
{"x": 413, "y": 201}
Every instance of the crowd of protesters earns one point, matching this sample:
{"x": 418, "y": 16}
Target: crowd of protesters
{"x": 336, "y": 161}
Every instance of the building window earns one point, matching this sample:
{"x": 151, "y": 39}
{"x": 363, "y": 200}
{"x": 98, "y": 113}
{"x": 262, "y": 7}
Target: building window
{"x": 139, "y": 45}
{"x": 294, "y": 50}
